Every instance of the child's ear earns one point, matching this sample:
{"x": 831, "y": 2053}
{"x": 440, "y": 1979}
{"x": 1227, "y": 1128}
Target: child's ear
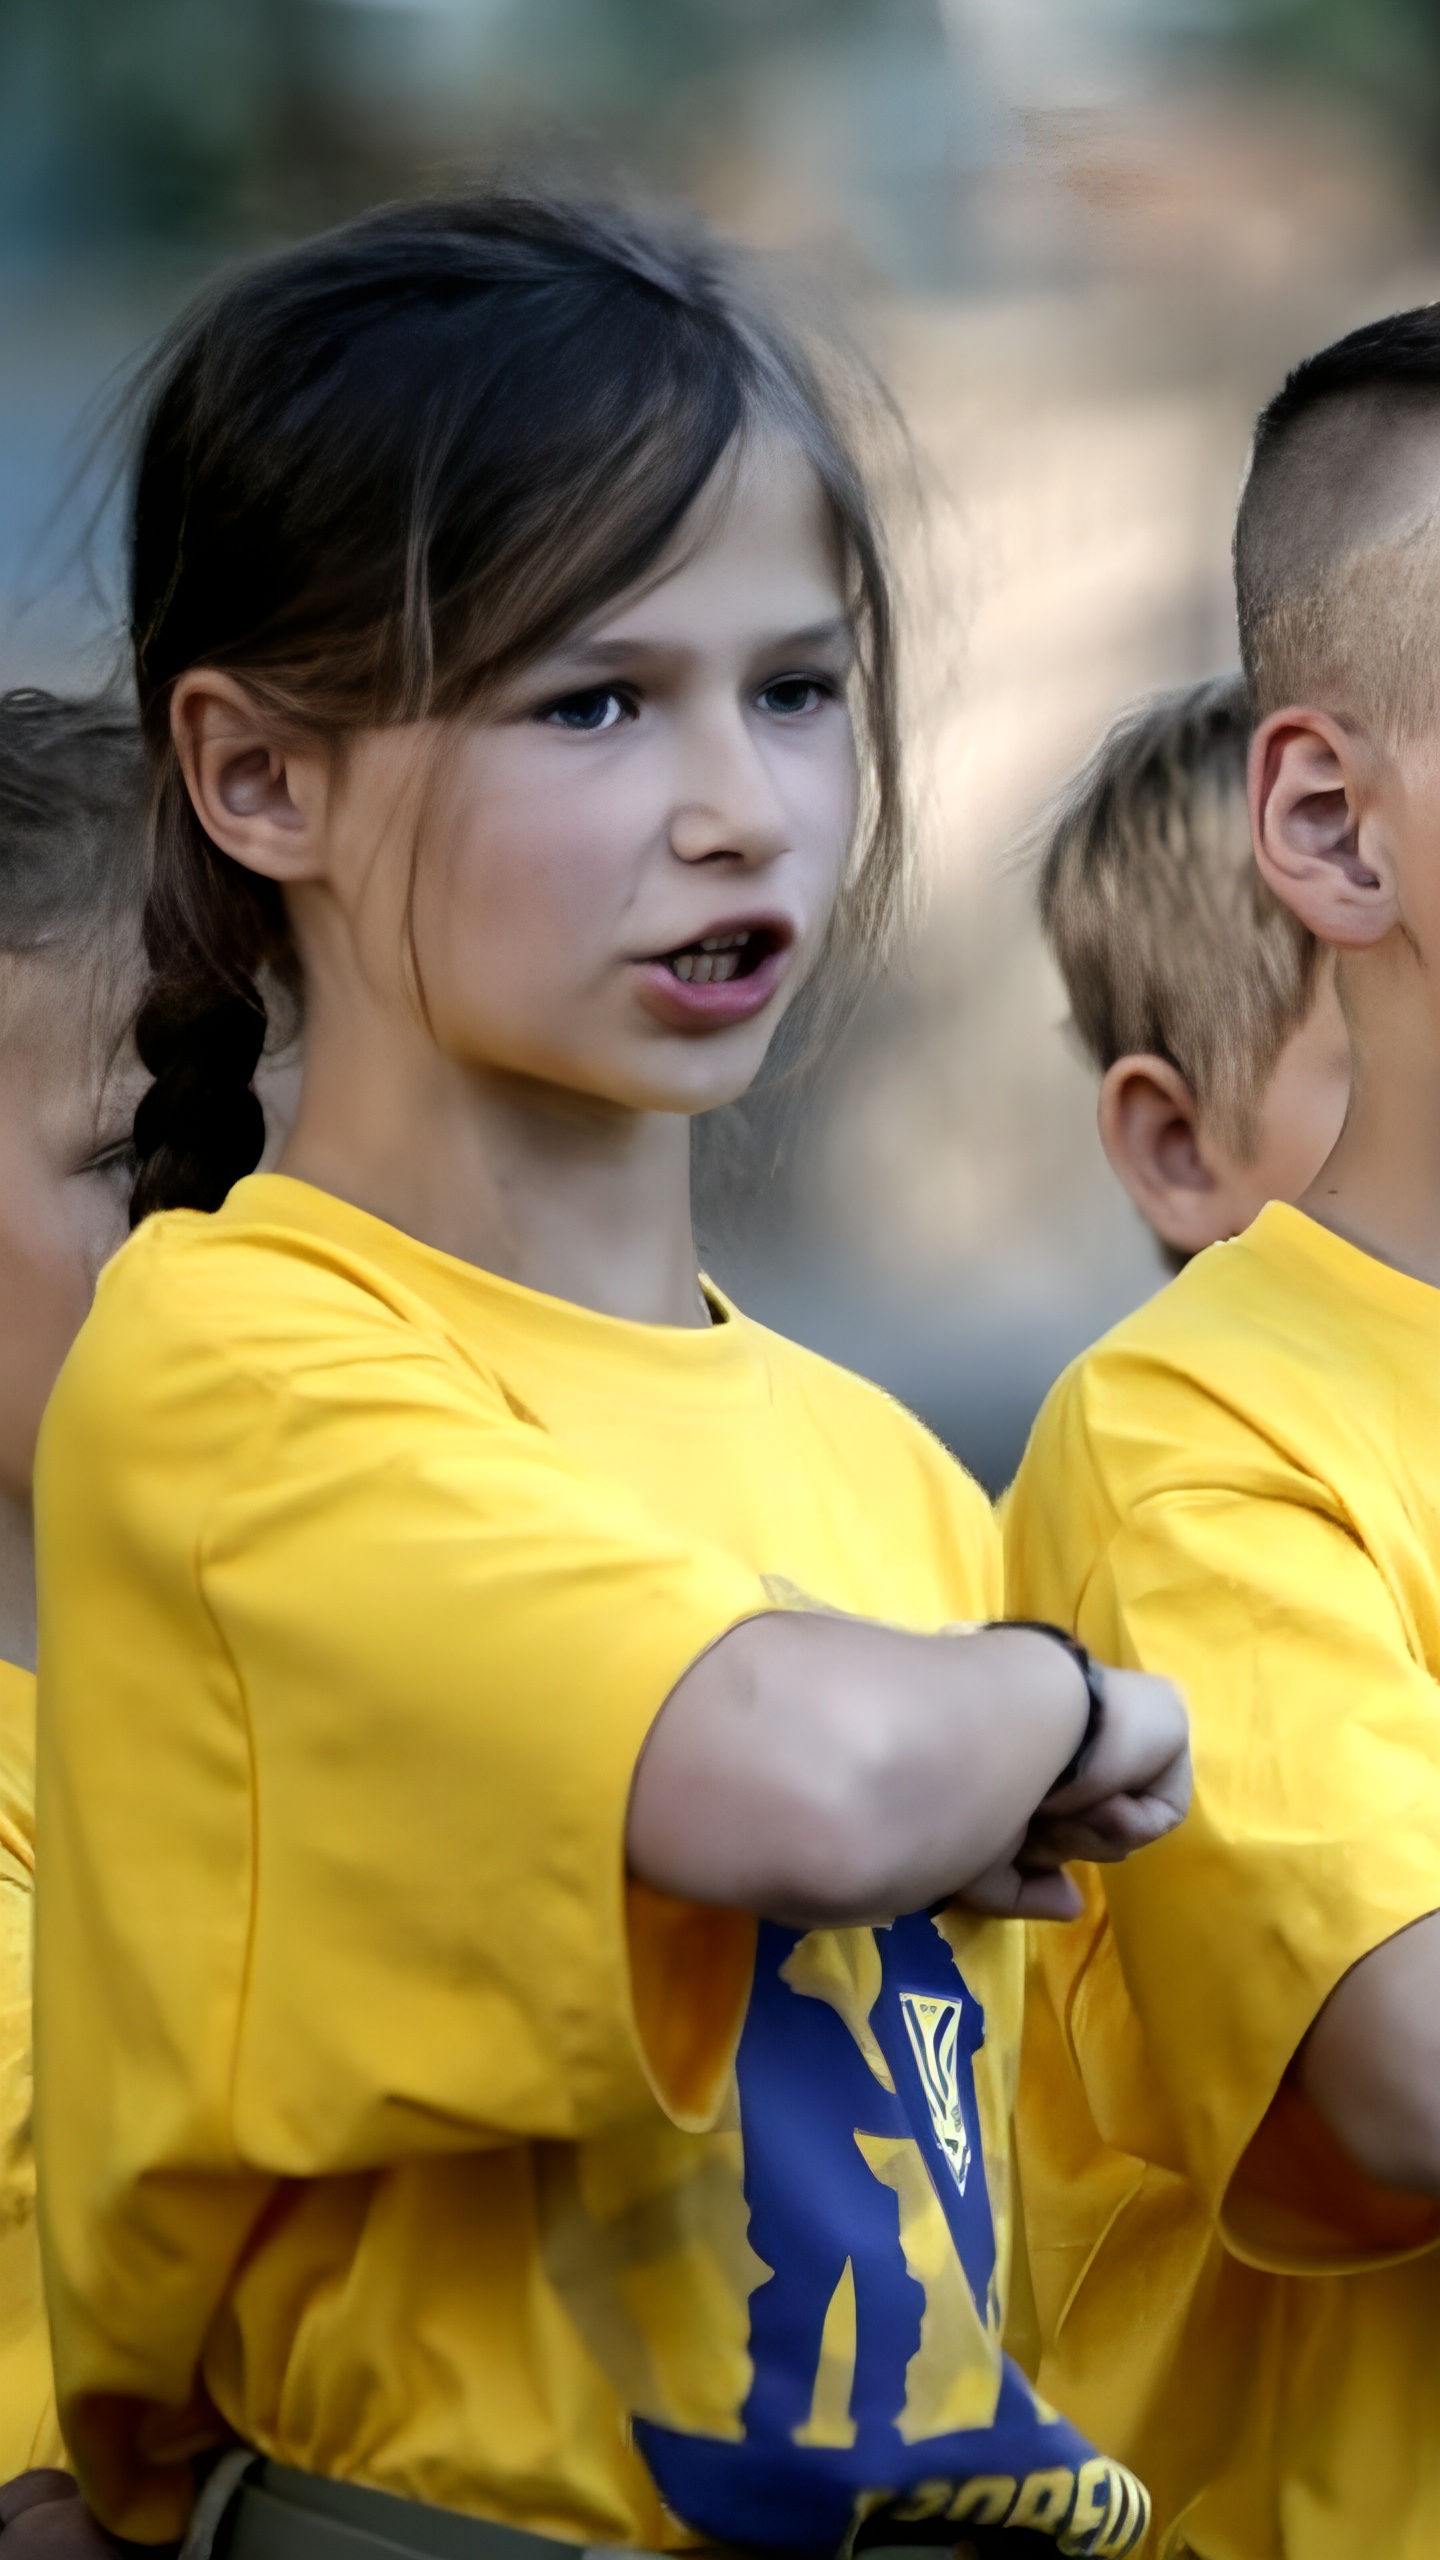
{"x": 258, "y": 796}
{"x": 1318, "y": 841}
{"x": 1177, "y": 1177}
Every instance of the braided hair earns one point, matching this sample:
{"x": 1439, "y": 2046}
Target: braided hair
{"x": 384, "y": 470}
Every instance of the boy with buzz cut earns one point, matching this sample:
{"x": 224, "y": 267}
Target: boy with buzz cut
{"x": 1208, "y": 1010}
{"x": 1230, "y": 2119}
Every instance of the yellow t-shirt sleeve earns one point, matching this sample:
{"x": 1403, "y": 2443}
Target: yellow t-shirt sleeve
{"x": 1314, "y": 1836}
{"x": 449, "y": 1651}
{"x": 339, "y": 1739}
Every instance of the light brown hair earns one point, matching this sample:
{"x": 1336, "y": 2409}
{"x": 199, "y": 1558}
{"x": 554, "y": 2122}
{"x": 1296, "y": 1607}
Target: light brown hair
{"x": 1169, "y": 942}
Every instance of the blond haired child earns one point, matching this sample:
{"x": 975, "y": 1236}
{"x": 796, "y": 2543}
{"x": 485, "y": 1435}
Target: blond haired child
{"x": 524, "y": 2025}
{"x": 1207, "y": 1009}
{"x": 1231, "y": 2122}
{"x": 70, "y": 965}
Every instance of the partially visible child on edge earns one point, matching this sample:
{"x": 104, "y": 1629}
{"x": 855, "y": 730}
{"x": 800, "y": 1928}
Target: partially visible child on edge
{"x": 1207, "y": 1008}
{"x": 1230, "y": 2129}
{"x": 71, "y": 893}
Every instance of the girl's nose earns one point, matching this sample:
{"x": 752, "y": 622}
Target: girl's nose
{"x": 733, "y": 809}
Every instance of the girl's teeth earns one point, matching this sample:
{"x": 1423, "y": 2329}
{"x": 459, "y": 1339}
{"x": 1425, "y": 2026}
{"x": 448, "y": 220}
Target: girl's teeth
{"x": 712, "y": 962}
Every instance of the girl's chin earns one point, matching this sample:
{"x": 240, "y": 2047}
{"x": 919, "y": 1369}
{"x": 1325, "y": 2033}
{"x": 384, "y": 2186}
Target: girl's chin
{"x": 636, "y": 1065}
{"x": 689, "y": 1084}
{"x": 690, "y": 1098}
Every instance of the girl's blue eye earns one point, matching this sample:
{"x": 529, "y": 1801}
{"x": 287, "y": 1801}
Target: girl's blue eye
{"x": 599, "y": 708}
{"x": 791, "y": 694}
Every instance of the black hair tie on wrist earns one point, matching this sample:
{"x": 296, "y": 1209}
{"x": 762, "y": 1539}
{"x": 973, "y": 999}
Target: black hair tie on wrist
{"x": 1094, "y": 1679}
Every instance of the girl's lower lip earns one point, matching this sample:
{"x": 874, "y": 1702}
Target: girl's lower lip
{"x": 685, "y": 1006}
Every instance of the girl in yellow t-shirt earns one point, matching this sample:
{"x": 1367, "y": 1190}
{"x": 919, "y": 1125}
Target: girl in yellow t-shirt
{"x": 499, "y": 1705}
{"x": 71, "y": 891}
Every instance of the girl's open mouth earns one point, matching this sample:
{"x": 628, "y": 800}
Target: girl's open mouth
{"x": 720, "y": 977}
{"x": 721, "y": 957}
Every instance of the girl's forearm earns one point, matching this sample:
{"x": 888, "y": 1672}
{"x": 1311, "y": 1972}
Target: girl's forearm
{"x": 827, "y": 1770}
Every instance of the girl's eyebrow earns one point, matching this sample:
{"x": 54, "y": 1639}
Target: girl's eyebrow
{"x": 601, "y": 654}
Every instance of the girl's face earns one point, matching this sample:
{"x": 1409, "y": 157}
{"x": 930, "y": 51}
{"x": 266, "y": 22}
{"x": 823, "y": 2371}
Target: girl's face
{"x": 627, "y": 865}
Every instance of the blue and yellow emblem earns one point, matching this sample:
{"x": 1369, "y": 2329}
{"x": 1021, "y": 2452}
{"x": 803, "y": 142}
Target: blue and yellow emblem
{"x": 878, "y": 2379}
{"x": 803, "y": 2309}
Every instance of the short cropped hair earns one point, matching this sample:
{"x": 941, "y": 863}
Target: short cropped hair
{"x": 1337, "y": 543}
{"x": 72, "y": 824}
{"x": 1168, "y": 940}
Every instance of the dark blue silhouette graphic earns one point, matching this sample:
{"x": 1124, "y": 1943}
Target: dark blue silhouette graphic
{"x": 806, "y": 2090}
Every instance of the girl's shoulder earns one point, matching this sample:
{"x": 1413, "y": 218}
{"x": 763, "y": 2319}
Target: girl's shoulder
{"x": 201, "y": 1321}
{"x": 188, "y": 1278}
{"x": 253, "y": 1285}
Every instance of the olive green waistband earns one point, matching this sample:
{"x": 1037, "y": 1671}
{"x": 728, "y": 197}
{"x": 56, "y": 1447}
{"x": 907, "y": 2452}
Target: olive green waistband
{"x": 255, "y": 2509}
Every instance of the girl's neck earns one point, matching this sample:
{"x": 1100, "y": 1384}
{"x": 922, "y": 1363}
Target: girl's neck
{"x": 558, "y": 1191}
{"x": 17, "y": 1580}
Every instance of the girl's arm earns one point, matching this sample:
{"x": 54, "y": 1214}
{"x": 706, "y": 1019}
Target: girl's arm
{"x": 825, "y": 1771}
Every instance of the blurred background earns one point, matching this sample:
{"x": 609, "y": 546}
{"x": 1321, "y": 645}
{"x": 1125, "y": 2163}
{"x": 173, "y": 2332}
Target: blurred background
{"x": 1082, "y": 239}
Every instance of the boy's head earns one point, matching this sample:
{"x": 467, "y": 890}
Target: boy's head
{"x": 1337, "y": 568}
{"x": 1206, "y": 1007}
{"x": 71, "y": 901}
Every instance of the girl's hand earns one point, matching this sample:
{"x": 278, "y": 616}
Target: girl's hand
{"x": 1133, "y": 1789}
{"x": 828, "y": 1771}
{"x": 1135, "y": 1785}
{"x": 1013, "y": 1889}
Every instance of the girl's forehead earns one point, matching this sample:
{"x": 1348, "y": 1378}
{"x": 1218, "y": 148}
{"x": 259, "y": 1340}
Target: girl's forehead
{"x": 758, "y": 546}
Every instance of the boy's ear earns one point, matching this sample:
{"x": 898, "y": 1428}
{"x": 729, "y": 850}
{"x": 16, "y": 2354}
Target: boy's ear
{"x": 1178, "y": 1178}
{"x": 259, "y": 797}
{"x": 1318, "y": 841}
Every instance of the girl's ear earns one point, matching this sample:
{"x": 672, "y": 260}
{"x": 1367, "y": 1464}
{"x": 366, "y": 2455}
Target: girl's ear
{"x": 1318, "y": 842}
{"x": 257, "y": 796}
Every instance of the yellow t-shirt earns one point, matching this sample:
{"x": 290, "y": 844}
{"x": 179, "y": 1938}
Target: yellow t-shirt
{"x": 28, "y": 2430}
{"x": 1240, "y": 1486}
{"x": 367, "y": 2126}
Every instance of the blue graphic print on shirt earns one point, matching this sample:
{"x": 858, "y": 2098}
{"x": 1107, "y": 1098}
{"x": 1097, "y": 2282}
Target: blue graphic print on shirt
{"x": 808, "y": 2099}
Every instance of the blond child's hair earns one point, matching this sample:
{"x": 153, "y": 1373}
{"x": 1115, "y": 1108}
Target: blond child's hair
{"x": 1167, "y": 939}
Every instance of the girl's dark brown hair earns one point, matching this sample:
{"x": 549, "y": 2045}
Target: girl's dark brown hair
{"x": 384, "y": 470}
